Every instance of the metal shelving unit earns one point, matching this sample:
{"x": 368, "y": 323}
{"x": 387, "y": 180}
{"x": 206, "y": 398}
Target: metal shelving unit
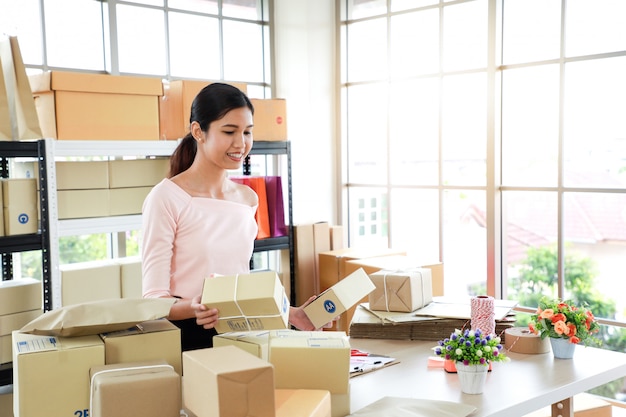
{"x": 29, "y": 242}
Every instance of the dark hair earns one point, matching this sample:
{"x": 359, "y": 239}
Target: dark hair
{"x": 211, "y": 104}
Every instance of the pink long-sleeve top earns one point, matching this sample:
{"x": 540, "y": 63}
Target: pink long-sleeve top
{"x": 185, "y": 239}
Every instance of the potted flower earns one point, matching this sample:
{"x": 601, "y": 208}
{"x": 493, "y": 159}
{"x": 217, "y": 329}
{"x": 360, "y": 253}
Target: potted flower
{"x": 566, "y": 324}
{"x": 473, "y": 352}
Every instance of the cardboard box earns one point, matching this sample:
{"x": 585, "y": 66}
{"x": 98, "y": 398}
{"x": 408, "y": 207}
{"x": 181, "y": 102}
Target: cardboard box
{"x": 175, "y": 107}
{"x": 337, "y": 238}
{"x": 147, "y": 341}
{"x": 339, "y": 298}
{"x": 401, "y": 290}
{"x": 81, "y": 106}
{"x": 333, "y": 263}
{"x": 82, "y": 175}
{"x": 51, "y": 374}
{"x": 255, "y": 301}
{"x": 130, "y": 276}
{"x": 19, "y": 295}
{"x": 127, "y": 173}
{"x": 150, "y": 388}
{"x": 255, "y": 343}
{"x": 302, "y": 403}
{"x": 270, "y": 119}
{"x": 126, "y": 201}
{"x": 90, "y": 281}
{"x": 8, "y": 324}
{"x": 399, "y": 262}
{"x": 226, "y": 381}
{"x": 77, "y": 204}
{"x": 310, "y": 360}
{"x": 19, "y": 200}
{"x": 6, "y": 400}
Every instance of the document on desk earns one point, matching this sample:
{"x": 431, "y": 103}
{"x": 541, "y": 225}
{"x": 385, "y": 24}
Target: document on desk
{"x": 360, "y": 365}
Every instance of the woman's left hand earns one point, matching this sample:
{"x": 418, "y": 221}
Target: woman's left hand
{"x": 299, "y": 319}
{"x": 205, "y": 316}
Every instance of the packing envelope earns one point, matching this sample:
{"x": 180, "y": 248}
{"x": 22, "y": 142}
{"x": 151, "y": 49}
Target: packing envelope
{"x": 227, "y": 381}
{"x": 403, "y": 291}
{"x": 255, "y": 301}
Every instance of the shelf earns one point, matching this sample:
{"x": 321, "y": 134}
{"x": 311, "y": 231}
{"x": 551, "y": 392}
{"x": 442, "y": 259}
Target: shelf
{"x": 114, "y": 148}
{"x": 114, "y": 224}
{"x": 272, "y": 243}
{"x": 20, "y": 243}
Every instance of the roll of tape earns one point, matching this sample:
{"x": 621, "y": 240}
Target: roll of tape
{"x": 522, "y": 340}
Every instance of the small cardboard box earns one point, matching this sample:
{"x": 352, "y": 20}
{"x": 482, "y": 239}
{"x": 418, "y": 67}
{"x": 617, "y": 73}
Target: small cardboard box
{"x": 226, "y": 381}
{"x": 270, "y": 119}
{"x": 150, "y": 340}
{"x": 19, "y": 295}
{"x": 19, "y": 199}
{"x": 150, "y": 388}
{"x": 81, "y": 106}
{"x": 82, "y": 175}
{"x": 127, "y": 173}
{"x": 51, "y": 374}
{"x": 401, "y": 290}
{"x": 310, "y": 360}
{"x": 339, "y": 298}
{"x": 78, "y": 204}
{"x": 302, "y": 403}
{"x": 130, "y": 276}
{"x": 8, "y": 324}
{"x": 126, "y": 201}
{"x": 256, "y": 343}
{"x": 255, "y": 301}
{"x": 175, "y": 107}
{"x": 90, "y": 281}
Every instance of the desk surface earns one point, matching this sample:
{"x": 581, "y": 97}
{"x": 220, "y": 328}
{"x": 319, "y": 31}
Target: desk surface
{"x": 525, "y": 384}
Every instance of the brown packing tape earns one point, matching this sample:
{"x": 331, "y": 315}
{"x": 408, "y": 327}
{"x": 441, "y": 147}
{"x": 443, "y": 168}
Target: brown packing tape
{"x": 522, "y": 340}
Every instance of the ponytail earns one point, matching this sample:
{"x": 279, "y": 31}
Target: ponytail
{"x": 183, "y": 155}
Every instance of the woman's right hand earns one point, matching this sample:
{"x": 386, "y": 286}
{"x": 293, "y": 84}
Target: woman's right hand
{"x": 205, "y": 316}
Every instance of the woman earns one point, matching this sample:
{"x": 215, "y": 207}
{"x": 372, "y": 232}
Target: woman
{"x": 197, "y": 222}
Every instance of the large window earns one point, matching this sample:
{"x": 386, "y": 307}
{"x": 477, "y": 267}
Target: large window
{"x": 169, "y": 39}
{"x": 491, "y": 135}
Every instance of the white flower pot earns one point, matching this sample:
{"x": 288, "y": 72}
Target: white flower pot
{"x": 472, "y": 377}
{"x": 562, "y": 348}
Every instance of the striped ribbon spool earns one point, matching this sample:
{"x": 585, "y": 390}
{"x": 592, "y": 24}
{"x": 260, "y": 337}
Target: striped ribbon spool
{"x": 483, "y": 314}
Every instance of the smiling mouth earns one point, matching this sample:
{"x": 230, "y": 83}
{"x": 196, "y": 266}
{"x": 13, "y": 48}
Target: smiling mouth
{"x": 238, "y": 155}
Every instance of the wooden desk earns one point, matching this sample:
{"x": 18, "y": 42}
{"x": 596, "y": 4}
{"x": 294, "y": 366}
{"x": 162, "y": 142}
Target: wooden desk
{"x": 525, "y": 384}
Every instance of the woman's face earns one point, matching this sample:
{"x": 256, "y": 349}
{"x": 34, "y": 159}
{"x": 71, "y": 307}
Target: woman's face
{"x": 229, "y": 139}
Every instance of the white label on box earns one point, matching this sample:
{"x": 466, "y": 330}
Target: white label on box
{"x": 37, "y": 345}
{"x": 326, "y": 343}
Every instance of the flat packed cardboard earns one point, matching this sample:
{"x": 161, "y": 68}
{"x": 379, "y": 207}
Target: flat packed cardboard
{"x": 401, "y": 290}
{"x": 149, "y": 340}
{"x": 82, "y": 175}
{"x": 399, "y": 262}
{"x": 78, "y": 204}
{"x": 310, "y": 240}
{"x": 227, "y": 381}
{"x": 337, "y": 238}
{"x": 130, "y": 276}
{"x": 10, "y": 323}
{"x": 150, "y": 388}
{"x": 255, "y": 301}
{"x": 81, "y": 106}
{"x": 175, "y": 107}
{"x": 19, "y": 200}
{"x": 339, "y": 298}
{"x": 302, "y": 403}
{"x": 127, "y": 173}
{"x": 127, "y": 201}
{"x": 270, "y": 119}
{"x": 90, "y": 281}
{"x": 19, "y": 295}
{"x": 51, "y": 374}
{"x": 310, "y": 360}
{"x": 253, "y": 342}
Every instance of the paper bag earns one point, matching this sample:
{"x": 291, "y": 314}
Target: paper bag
{"x": 275, "y": 206}
{"x": 20, "y": 102}
{"x": 261, "y": 215}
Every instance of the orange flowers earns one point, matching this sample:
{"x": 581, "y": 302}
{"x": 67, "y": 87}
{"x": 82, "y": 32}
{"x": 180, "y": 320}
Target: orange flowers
{"x": 560, "y": 319}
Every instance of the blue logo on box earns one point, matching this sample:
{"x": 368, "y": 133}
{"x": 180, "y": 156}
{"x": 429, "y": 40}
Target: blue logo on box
{"x": 329, "y": 306}
{"x": 22, "y": 218}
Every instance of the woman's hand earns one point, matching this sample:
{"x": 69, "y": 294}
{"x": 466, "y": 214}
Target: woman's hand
{"x": 299, "y": 319}
{"x": 205, "y": 316}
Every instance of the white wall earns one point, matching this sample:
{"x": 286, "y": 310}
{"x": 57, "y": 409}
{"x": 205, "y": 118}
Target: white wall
{"x": 304, "y": 35}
